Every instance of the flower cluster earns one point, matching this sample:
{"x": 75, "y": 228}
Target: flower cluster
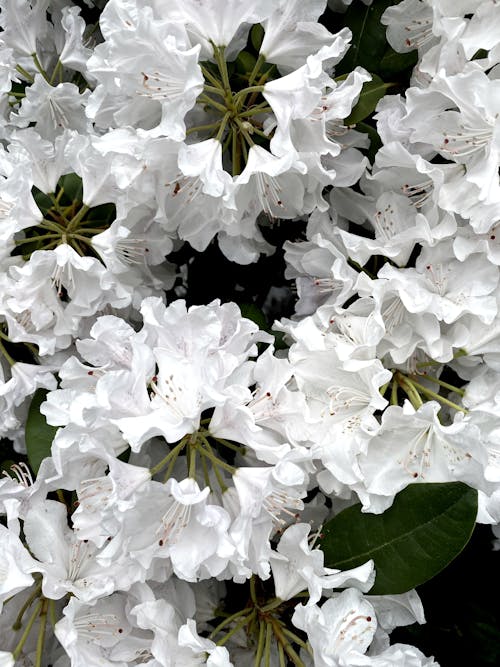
{"x": 192, "y": 458}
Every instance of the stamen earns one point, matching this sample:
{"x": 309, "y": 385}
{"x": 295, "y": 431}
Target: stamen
{"x": 160, "y": 86}
{"x": 268, "y": 193}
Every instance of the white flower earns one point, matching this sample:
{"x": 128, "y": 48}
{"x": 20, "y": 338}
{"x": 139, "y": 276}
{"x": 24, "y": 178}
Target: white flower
{"x": 296, "y": 565}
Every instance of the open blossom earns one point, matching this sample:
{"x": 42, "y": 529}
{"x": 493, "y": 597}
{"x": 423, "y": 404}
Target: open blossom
{"x": 176, "y": 430}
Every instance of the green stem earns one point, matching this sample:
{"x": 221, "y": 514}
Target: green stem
{"x": 384, "y": 388}
{"x": 245, "y": 91}
{"x": 208, "y": 452}
{"x": 442, "y": 383}
{"x": 230, "y": 445}
{"x": 222, "y": 127}
{"x": 236, "y": 628}
{"x": 205, "y": 99}
{"x": 236, "y": 152}
{"x": 173, "y": 452}
{"x": 267, "y": 649}
{"x": 200, "y": 128}
{"x": 192, "y": 462}
{"x": 53, "y": 226}
{"x": 92, "y": 230}
{"x": 253, "y": 594}
{"x": 244, "y": 132}
{"x": 274, "y": 604}
{"x": 7, "y": 355}
{"x": 206, "y": 476}
{"x": 18, "y": 623}
{"x": 260, "y": 644}
{"x": 394, "y": 393}
{"x": 229, "y": 620}
{"x": 17, "y": 651}
{"x": 281, "y": 654}
{"x": 286, "y": 645}
{"x": 408, "y": 387}
{"x": 221, "y": 64}
{"x": 215, "y": 90}
{"x": 52, "y": 613}
{"x": 438, "y": 397}
{"x": 261, "y": 133}
{"x": 25, "y": 73}
{"x": 254, "y": 111}
{"x": 208, "y": 75}
{"x": 41, "y": 634}
{"x": 258, "y": 64}
{"x": 297, "y": 640}
{"x": 75, "y": 221}
{"x": 55, "y": 72}
{"x": 39, "y": 67}
{"x": 424, "y": 364}
{"x": 42, "y": 237}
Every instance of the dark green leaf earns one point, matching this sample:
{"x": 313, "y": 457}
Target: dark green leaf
{"x": 254, "y": 313}
{"x": 41, "y": 199}
{"x": 245, "y": 62}
{"x": 394, "y": 63}
{"x": 39, "y": 434}
{"x": 368, "y": 36}
{"x": 375, "y": 140}
{"x": 371, "y": 93}
{"x": 425, "y": 529}
{"x": 256, "y": 36}
{"x": 72, "y": 186}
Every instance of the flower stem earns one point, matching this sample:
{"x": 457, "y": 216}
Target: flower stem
{"x": 258, "y": 64}
{"x": 437, "y": 397}
{"x": 205, "y": 99}
{"x": 172, "y": 453}
{"x": 39, "y": 67}
{"x": 41, "y": 633}
{"x": 75, "y": 221}
{"x": 229, "y": 620}
{"x": 213, "y": 79}
{"x": 18, "y": 623}
{"x": 25, "y": 73}
{"x": 260, "y": 644}
{"x": 444, "y": 384}
{"x": 237, "y": 628}
{"x": 7, "y": 356}
{"x": 17, "y": 651}
{"x": 200, "y": 128}
{"x": 267, "y": 649}
{"x": 285, "y": 643}
{"x": 408, "y": 387}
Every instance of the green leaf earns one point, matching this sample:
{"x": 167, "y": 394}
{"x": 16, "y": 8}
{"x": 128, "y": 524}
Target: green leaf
{"x": 368, "y": 36}
{"x": 39, "y": 434}
{"x": 72, "y": 186}
{"x": 425, "y": 529}
{"x": 371, "y": 93}
{"x": 256, "y": 36}
{"x": 245, "y": 62}
{"x": 375, "y": 140}
{"x": 254, "y": 313}
{"x": 394, "y": 63}
{"x": 42, "y": 200}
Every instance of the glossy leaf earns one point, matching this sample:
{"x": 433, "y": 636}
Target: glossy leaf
{"x": 425, "y": 529}
{"x": 369, "y": 97}
{"x": 39, "y": 434}
{"x": 369, "y": 42}
{"x": 394, "y": 63}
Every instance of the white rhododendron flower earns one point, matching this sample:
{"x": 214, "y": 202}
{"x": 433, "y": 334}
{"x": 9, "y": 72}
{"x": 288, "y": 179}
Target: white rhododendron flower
{"x": 249, "y": 272}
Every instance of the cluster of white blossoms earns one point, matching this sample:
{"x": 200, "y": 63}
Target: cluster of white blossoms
{"x": 177, "y": 520}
